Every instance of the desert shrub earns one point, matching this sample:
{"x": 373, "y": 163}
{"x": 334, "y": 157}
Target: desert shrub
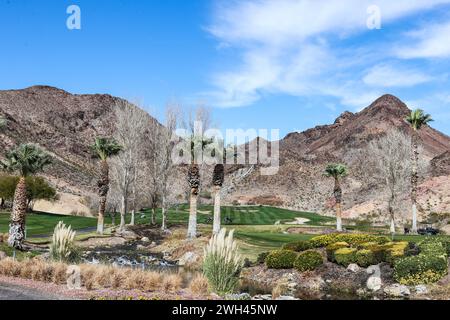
{"x": 308, "y": 260}
{"x": 199, "y": 285}
{"x": 135, "y": 280}
{"x": 10, "y": 267}
{"x": 59, "y": 273}
{"x": 62, "y": 247}
{"x": 281, "y": 259}
{"x": 102, "y": 276}
{"x": 117, "y": 278}
{"x": 222, "y": 263}
{"x": 352, "y": 239}
{"x": 172, "y": 283}
{"x": 262, "y": 257}
{"x": 298, "y": 246}
{"x": 153, "y": 281}
{"x": 345, "y": 256}
{"x": 365, "y": 258}
{"x": 87, "y": 276}
{"x": 41, "y": 271}
{"x": 331, "y": 248}
{"x": 420, "y": 269}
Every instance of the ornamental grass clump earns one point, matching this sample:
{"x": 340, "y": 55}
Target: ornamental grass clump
{"x": 222, "y": 263}
{"x": 62, "y": 247}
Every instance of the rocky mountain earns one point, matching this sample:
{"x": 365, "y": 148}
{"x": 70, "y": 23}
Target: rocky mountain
{"x": 300, "y": 182}
{"x": 65, "y": 125}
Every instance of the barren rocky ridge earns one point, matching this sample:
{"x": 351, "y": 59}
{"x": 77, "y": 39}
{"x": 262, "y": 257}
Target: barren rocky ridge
{"x": 65, "y": 125}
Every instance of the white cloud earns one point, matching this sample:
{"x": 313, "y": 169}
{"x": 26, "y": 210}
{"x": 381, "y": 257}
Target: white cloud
{"x": 432, "y": 42}
{"x": 284, "y": 21}
{"x": 388, "y": 76}
{"x": 289, "y": 47}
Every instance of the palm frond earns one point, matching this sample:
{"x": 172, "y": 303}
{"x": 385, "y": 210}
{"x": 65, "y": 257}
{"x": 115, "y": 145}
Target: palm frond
{"x": 104, "y": 148}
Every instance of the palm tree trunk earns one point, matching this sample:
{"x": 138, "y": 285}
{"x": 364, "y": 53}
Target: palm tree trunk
{"x": 338, "y": 198}
{"x": 414, "y": 180}
{"x": 123, "y": 212}
{"x": 153, "y": 216}
{"x": 164, "y": 218}
{"x": 192, "y": 227}
{"x": 103, "y": 188}
{"x": 17, "y": 226}
{"x": 391, "y": 214}
{"x": 216, "y": 223}
{"x": 101, "y": 215}
{"x": 132, "y": 217}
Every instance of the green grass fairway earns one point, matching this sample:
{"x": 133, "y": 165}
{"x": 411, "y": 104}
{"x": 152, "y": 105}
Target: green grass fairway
{"x": 254, "y": 215}
{"x": 44, "y": 223}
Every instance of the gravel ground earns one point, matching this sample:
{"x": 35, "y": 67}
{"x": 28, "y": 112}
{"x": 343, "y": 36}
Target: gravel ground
{"x": 24, "y": 289}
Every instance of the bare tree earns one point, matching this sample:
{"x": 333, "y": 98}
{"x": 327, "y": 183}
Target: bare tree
{"x": 388, "y": 164}
{"x": 131, "y": 123}
{"x": 167, "y": 140}
{"x": 160, "y": 143}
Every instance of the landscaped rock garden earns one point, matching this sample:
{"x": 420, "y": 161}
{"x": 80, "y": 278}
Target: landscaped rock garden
{"x": 349, "y": 266}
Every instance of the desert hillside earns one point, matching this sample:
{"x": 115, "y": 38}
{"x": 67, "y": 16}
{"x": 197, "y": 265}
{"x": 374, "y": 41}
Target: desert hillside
{"x": 65, "y": 125}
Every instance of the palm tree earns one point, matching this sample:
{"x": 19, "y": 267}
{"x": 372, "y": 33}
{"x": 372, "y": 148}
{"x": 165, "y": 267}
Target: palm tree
{"x": 337, "y": 171}
{"x": 194, "y": 184}
{"x": 416, "y": 119}
{"x": 104, "y": 148}
{"x": 218, "y": 178}
{"x": 26, "y": 159}
{"x": 197, "y": 144}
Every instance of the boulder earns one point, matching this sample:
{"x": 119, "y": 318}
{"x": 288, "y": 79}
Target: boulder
{"x": 374, "y": 283}
{"x": 421, "y": 289}
{"x": 188, "y": 259}
{"x": 145, "y": 239}
{"x": 397, "y": 291}
{"x": 353, "y": 267}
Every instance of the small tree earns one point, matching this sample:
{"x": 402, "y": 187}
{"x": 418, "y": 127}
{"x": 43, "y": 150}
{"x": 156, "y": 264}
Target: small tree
{"x": 417, "y": 119}
{"x": 26, "y": 159}
{"x": 337, "y": 171}
{"x": 104, "y": 148}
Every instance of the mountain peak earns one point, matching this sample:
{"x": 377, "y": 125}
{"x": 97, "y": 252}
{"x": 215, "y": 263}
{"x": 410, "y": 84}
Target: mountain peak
{"x": 344, "y": 117}
{"x": 390, "y": 101}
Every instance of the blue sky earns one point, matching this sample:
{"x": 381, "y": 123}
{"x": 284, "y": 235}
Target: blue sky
{"x": 285, "y": 64}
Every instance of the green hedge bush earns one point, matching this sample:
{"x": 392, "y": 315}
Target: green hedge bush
{"x": 365, "y": 258}
{"x": 345, "y": 256}
{"x": 262, "y": 257}
{"x": 308, "y": 261}
{"x": 420, "y": 269}
{"x": 395, "y": 251}
{"x": 298, "y": 246}
{"x": 351, "y": 238}
{"x": 331, "y": 249}
{"x": 281, "y": 259}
